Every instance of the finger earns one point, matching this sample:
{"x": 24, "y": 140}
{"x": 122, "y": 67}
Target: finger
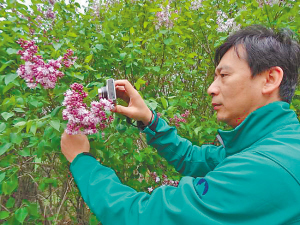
{"x": 128, "y": 87}
{"x": 123, "y": 110}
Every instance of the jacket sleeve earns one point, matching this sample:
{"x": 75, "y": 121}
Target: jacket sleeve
{"x": 188, "y": 159}
{"x": 231, "y": 194}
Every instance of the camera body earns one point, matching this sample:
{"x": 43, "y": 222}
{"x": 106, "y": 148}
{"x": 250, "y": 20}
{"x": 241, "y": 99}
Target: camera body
{"x": 109, "y": 91}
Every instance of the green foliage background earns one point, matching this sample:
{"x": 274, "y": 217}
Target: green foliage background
{"x": 170, "y": 67}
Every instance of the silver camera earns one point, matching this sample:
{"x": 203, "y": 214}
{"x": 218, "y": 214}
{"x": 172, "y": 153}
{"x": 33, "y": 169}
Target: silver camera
{"x": 109, "y": 91}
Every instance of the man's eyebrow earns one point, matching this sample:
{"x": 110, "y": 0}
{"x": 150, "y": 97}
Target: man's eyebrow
{"x": 218, "y": 69}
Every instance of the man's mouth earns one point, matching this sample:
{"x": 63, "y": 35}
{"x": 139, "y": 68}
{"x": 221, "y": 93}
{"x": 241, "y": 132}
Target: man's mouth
{"x": 216, "y": 106}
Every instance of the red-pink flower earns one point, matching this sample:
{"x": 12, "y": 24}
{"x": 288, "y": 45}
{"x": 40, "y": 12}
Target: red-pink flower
{"x": 82, "y": 119}
{"x": 36, "y": 70}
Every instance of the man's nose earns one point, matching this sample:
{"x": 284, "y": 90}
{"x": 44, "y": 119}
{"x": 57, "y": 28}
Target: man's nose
{"x": 213, "y": 89}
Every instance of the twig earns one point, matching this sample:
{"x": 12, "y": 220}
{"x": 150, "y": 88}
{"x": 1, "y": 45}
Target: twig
{"x": 63, "y": 200}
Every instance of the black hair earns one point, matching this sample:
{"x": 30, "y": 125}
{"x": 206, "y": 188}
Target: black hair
{"x": 265, "y": 49}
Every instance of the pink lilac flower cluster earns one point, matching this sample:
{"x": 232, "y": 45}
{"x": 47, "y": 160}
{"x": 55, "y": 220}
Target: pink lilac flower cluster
{"x": 176, "y": 120}
{"x": 164, "y": 17}
{"x": 36, "y": 70}
{"x": 82, "y": 119}
{"x": 48, "y": 14}
{"x": 162, "y": 182}
{"x": 196, "y": 4}
{"x": 111, "y": 2}
{"x": 228, "y": 25}
{"x": 270, "y": 2}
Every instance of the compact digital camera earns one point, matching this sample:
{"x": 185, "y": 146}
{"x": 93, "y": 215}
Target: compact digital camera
{"x": 109, "y": 91}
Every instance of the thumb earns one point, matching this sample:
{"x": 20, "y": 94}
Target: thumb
{"x": 122, "y": 110}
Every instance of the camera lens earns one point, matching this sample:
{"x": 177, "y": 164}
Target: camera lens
{"x": 103, "y": 92}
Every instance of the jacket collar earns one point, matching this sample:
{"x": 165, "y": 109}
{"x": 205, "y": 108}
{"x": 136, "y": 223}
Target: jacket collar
{"x": 256, "y": 125}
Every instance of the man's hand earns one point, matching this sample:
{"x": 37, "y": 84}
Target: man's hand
{"x": 72, "y": 145}
{"x": 137, "y": 108}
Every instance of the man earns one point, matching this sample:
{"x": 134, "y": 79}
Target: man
{"x": 252, "y": 178}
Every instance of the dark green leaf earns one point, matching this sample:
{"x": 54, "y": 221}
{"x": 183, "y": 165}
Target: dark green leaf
{"x": 55, "y": 124}
{"x": 2, "y": 175}
{"x": 2, "y": 127}
{"x": 21, "y": 214}
{"x": 10, "y": 203}
{"x": 4, "y": 215}
{"x": 4, "y": 148}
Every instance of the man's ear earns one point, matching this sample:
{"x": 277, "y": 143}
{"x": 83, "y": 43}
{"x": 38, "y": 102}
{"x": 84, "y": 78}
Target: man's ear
{"x": 272, "y": 80}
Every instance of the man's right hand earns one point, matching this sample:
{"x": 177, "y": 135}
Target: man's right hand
{"x": 137, "y": 108}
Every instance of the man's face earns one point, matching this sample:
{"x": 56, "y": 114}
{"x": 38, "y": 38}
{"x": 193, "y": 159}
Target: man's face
{"x": 234, "y": 92}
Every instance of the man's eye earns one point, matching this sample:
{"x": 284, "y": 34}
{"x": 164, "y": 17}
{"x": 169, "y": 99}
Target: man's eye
{"x": 223, "y": 75}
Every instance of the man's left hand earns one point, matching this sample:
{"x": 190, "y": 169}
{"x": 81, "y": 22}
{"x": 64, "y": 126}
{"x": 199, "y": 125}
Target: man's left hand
{"x": 72, "y": 145}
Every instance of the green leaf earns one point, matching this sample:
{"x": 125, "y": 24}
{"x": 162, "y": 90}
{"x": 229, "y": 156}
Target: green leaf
{"x": 37, "y": 160}
{"x": 93, "y": 220}
{"x": 15, "y": 138}
{"x": 10, "y": 202}
{"x": 146, "y": 24}
{"x": 33, "y": 209}
{"x": 33, "y": 128}
{"x": 123, "y": 55}
{"x": 121, "y": 128}
{"x": 10, "y": 77}
{"x": 192, "y": 55}
{"x": 7, "y": 115}
{"x": 71, "y": 34}
{"x": 197, "y": 130}
{"x": 151, "y": 104}
{"x": 164, "y": 102}
{"x": 89, "y": 68}
{"x": 20, "y": 124}
{"x": 4, "y": 215}
{"x": 55, "y": 124}
{"x": 34, "y": 102}
{"x": 6, "y": 65}
{"x": 10, "y": 185}
{"x": 156, "y": 68}
{"x": 11, "y": 51}
{"x": 28, "y": 125}
{"x": 88, "y": 58}
{"x": 21, "y": 214}
{"x": 99, "y": 47}
{"x": 131, "y": 30}
{"x": 57, "y": 46}
{"x": 126, "y": 38}
{"x": 168, "y": 41}
{"x": 2, "y": 127}
{"x": 25, "y": 152}
{"x": 4, "y": 148}
{"x": 19, "y": 110}
{"x": 2, "y": 176}
{"x": 138, "y": 83}
{"x": 55, "y": 111}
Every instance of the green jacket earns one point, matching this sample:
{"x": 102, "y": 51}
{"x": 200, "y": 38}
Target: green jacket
{"x": 252, "y": 178}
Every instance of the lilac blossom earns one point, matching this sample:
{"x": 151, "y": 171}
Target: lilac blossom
{"x": 226, "y": 24}
{"x": 36, "y": 71}
{"x": 196, "y": 4}
{"x": 162, "y": 181}
{"x": 177, "y": 120}
{"x": 164, "y": 17}
{"x": 82, "y": 119}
